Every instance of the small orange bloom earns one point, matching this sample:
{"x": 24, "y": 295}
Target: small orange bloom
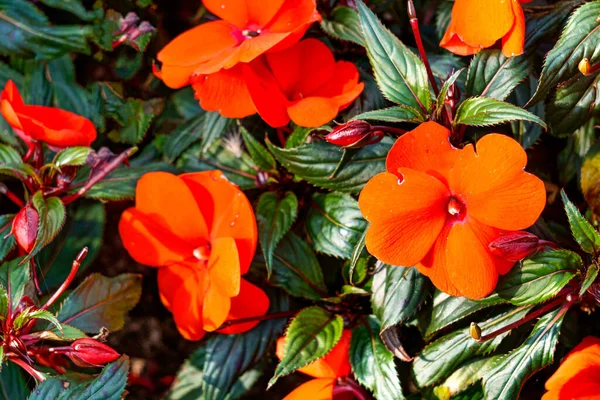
{"x": 200, "y": 230}
{"x": 326, "y": 370}
{"x": 247, "y": 29}
{"x": 439, "y": 207}
{"x": 578, "y": 376}
{"x": 56, "y": 127}
{"x": 477, "y": 24}
{"x": 303, "y": 83}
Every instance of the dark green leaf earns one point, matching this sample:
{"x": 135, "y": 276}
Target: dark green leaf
{"x": 274, "y": 216}
{"x": 101, "y": 302}
{"x": 311, "y": 335}
{"x": 393, "y": 114}
{"x": 585, "y": 234}
{"x": 335, "y": 224}
{"x": 9, "y": 155}
{"x": 261, "y": 156}
{"x": 505, "y": 381}
{"x": 527, "y": 133}
{"x": 356, "y": 253}
{"x": 580, "y": 39}
{"x": 483, "y": 111}
{"x": 7, "y": 242}
{"x": 468, "y": 374}
{"x": 589, "y": 166}
{"x": 75, "y": 7}
{"x": 373, "y": 364}
{"x": 397, "y": 294}
{"x": 183, "y": 137}
{"x": 13, "y": 385}
{"x": 298, "y": 136}
{"x": 400, "y": 74}
{"x": 20, "y": 279}
{"x": 443, "y": 356}
{"x": 317, "y": 163}
{"x": 590, "y": 277}
{"x": 71, "y": 156}
{"x": 539, "y": 278}
{"x": 213, "y": 128}
{"x": 491, "y": 74}
{"x": 344, "y": 24}
{"x": 52, "y": 216}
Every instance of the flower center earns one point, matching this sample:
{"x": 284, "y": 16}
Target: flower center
{"x": 455, "y": 207}
{"x": 248, "y": 34}
{"x": 202, "y": 253}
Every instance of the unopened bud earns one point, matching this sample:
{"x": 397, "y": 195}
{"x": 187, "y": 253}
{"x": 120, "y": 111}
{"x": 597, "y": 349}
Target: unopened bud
{"x": 354, "y": 134}
{"x": 130, "y": 20}
{"x": 585, "y": 67}
{"x": 91, "y": 353}
{"x": 25, "y": 227}
{"x": 516, "y": 246}
{"x": 475, "y": 331}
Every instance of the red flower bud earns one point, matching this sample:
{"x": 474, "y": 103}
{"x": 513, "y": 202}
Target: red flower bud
{"x": 354, "y": 134}
{"x": 91, "y": 353}
{"x": 516, "y": 246}
{"x": 25, "y": 227}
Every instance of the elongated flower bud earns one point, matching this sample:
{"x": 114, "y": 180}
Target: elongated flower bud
{"x": 91, "y": 353}
{"x": 25, "y": 227}
{"x": 516, "y": 246}
{"x": 354, "y": 134}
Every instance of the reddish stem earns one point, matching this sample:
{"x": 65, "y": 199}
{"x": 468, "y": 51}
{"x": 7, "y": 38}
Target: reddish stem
{"x": 389, "y": 129}
{"x": 74, "y": 268}
{"x": 30, "y": 370}
{"x": 11, "y": 196}
{"x": 266, "y": 317}
{"x": 414, "y": 24}
{"x": 281, "y": 137}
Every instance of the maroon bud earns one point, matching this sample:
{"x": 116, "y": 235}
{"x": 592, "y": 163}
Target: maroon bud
{"x": 25, "y": 227}
{"x": 354, "y": 134}
{"x": 515, "y": 246}
{"x": 91, "y": 353}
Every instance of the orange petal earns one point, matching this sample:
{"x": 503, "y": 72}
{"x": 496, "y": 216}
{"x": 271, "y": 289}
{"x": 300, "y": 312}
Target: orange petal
{"x": 215, "y": 308}
{"x": 269, "y": 100}
{"x": 224, "y": 266}
{"x": 10, "y": 115}
{"x": 313, "y": 112}
{"x": 315, "y": 389}
{"x": 291, "y": 39}
{"x": 148, "y": 243}
{"x": 251, "y": 302}
{"x": 233, "y": 11}
{"x": 168, "y": 201}
{"x": 182, "y": 288}
{"x": 216, "y": 91}
{"x": 186, "y": 52}
{"x": 494, "y": 186}
{"x": 303, "y": 68}
{"x": 470, "y": 266}
{"x": 11, "y": 94}
{"x": 426, "y": 149}
{"x": 481, "y": 23}
{"x": 513, "y": 42}
{"x": 586, "y": 355}
{"x": 453, "y": 43}
{"x": 406, "y": 215}
{"x": 293, "y": 15}
{"x": 262, "y": 12}
{"x": 343, "y": 80}
{"x": 226, "y": 210}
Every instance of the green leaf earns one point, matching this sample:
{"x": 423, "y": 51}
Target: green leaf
{"x": 318, "y": 164}
{"x": 32, "y": 36}
{"x": 72, "y": 156}
{"x": 20, "y": 171}
{"x": 395, "y": 114}
{"x": 311, "y": 335}
{"x": 7, "y": 242}
{"x": 9, "y": 155}
{"x": 491, "y": 74}
{"x": 590, "y": 277}
{"x": 3, "y": 303}
{"x": 20, "y": 280}
{"x": 467, "y": 375}
{"x": 441, "y": 99}
{"x": 539, "y": 278}
{"x": 13, "y": 385}
{"x": 397, "y": 294}
{"x": 373, "y": 364}
{"x": 335, "y": 224}
{"x": 31, "y": 313}
{"x": 298, "y": 136}
{"x": 183, "y": 137}
{"x": 296, "y": 269}
{"x": 75, "y": 7}
{"x": 215, "y": 370}
{"x": 585, "y": 234}
{"x": 483, "y": 111}
{"x": 66, "y": 333}
{"x": 527, "y": 133}
{"x": 274, "y": 217}
{"x": 344, "y": 24}
{"x": 400, "y": 74}
{"x": 52, "y": 216}
{"x": 580, "y": 39}
{"x": 261, "y": 156}
{"x": 356, "y": 253}
{"x": 505, "y": 381}
{"x": 442, "y": 357}
{"x": 101, "y": 302}
{"x": 213, "y": 128}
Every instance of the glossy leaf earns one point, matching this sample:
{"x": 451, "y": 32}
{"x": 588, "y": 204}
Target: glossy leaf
{"x": 311, "y": 335}
{"x": 275, "y": 216}
{"x": 261, "y": 156}
{"x": 298, "y": 136}
{"x": 395, "y": 114}
{"x": 20, "y": 279}
{"x": 213, "y": 128}
{"x": 13, "y": 385}
{"x": 585, "y": 234}
{"x": 335, "y": 224}
{"x": 72, "y": 156}
{"x": 441, "y": 99}
{"x": 183, "y": 136}
{"x": 7, "y": 241}
{"x": 468, "y": 374}
{"x": 590, "y": 277}
{"x": 101, "y": 302}
{"x": 8, "y": 155}
{"x": 344, "y": 24}
{"x": 400, "y": 74}
{"x": 483, "y": 111}
{"x": 52, "y": 216}
{"x": 356, "y": 253}
{"x": 525, "y": 132}
{"x": 493, "y": 75}
{"x": 31, "y": 313}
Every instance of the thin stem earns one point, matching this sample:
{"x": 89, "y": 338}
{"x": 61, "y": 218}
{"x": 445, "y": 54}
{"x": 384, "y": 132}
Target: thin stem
{"x": 29, "y": 369}
{"x": 414, "y": 24}
{"x": 110, "y": 167}
{"x": 9, "y": 306}
{"x": 74, "y": 268}
{"x": 11, "y": 196}
{"x": 397, "y": 131}
{"x": 281, "y": 137}
{"x": 266, "y": 317}
{"x": 35, "y": 277}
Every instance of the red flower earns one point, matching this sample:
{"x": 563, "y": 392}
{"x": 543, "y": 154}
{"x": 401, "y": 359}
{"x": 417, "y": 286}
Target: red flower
{"x": 200, "y": 230}
{"x": 303, "y": 83}
{"x": 578, "y": 376}
{"x": 55, "y": 127}
{"x": 439, "y": 207}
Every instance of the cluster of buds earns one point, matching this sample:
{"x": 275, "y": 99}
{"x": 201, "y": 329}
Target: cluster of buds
{"x": 356, "y": 134}
{"x": 130, "y": 29}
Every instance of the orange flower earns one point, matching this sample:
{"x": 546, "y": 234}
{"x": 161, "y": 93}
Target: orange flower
{"x": 439, "y": 207}
{"x": 326, "y": 370}
{"x": 477, "y": 24}
{"x": 200, "y": 230}
{"x": 303, "y": 83}
{"x": 578, "y": 376}
{"x": 247, "y": 29}
{"x": 57, "y": 128}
